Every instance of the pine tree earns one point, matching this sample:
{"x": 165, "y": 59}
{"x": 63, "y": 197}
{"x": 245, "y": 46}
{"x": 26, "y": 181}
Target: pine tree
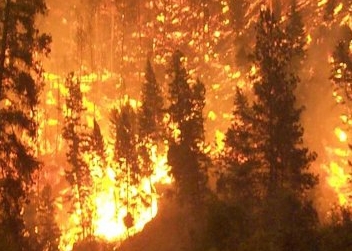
{"x": 124, "y": 130}
{"x": 238, "y": 181}
{"x": 97, "y": 141}
{"x": 296, "y": 36}
{"x": 20, "y": 85}
{"x": 239, "y": 184}
{"x": 185, "y": 156}
{"x": 124, "y": 125}
{"x": 277, "y": 117}
{"x": 77, "y": 140}
{"x": 342, "y": 70}
{"x": 97, "y": 156}
{"x": 151, "y": 111}
{"x": 48, "y": 230}
{"x": 150, "y": 117}
{"x": 284, "y": 159}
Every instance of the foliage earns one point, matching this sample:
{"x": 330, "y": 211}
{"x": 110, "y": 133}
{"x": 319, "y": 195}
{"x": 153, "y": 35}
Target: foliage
{"x": 97, "y": 143}
{"x": 336, "y": 234}
{"x": 151, "y": 111}
{"x": 296, "y": 36}
{"x": 20, "y": 86}
{"x": 185, "y": 155}
{"x": 77, "y": 141}
{"x": 341, "y": 74}
{"x": 277, "y": 118}
{"x": 124, "y": 130}
{"x": 48, "y": 230}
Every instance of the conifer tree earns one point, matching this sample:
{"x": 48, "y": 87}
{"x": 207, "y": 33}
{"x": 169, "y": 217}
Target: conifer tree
{"x": 278, "y": 119}
{"x": 48, "y": 230}
{"x": 296, "y": 36}
{"x": 20, "y": 85}
{"x": 238, "y": 182}
{"x": 97, "y": 141}
{"x": 150, "y": 117}
{"x": 124, "y": 126}
{"x": 285, "y": 161}
{"x": 185, "y": 156}
{"x": 151, "y": 111}
{"x": 124, "y": 130}
{"x": 342, "y": 70}
{"x": 77, "y": 140}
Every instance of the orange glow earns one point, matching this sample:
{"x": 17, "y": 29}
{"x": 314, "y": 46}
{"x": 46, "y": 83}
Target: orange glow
{"x": 108, "y": 197}
{"x": 338, "y": 8}
{"x": 108, "y": 202}
{"x": 309, "y": 39}
{"x": 322, "y": 2}
{"x": 337, "y": 177}
{"x": 338, "y": 180}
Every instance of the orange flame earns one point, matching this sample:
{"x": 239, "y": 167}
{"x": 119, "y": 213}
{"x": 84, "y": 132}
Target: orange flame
{"x": 337, "y": 178}
{"x": 107, "y": 200}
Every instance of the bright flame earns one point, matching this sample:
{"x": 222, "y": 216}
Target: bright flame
{"x": 342, "y": 136}
{"x": 111, "y": 201}
{"x": 338, "y": 9}
{"x": 337, "y": 178}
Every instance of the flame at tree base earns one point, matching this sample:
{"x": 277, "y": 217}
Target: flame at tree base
{"x": 119, "y": 212}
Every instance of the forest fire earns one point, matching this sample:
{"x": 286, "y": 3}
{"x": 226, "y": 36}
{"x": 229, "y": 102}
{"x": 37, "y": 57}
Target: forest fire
{"x": 118, "y": 210}
{"x": 110, "y": 210}
{"x": 175, "y": 125}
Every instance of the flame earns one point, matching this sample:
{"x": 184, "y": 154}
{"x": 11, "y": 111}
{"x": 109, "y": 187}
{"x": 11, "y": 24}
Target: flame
{"x": 109, "y": 202}
{"x": 322, "y": 2}
{"x": 309, "y": 39}
{"x": 342, "y": 136}
{"x": 108, "y": 197}
{"x": 337, "y": 178}
{"x": 338, "y": 8}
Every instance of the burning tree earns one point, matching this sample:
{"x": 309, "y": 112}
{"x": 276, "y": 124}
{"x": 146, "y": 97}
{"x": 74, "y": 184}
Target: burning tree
{"x": 77, "y": 140}
{"x": 20, "y": 85}
{"x": 124, "y": 126}
{"x": 150, "y": 121}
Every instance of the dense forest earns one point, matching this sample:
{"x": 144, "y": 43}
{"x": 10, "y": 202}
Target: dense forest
{"x": 175, "y": 125}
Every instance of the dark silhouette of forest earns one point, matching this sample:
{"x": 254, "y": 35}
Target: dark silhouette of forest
{"x": 259, "y": 191}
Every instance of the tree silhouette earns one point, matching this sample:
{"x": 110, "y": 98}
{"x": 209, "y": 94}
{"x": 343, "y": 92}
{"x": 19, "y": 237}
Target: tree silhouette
{"x": 77, "y": 141}
{"x": 185, "y": 154}
{"x": 285, "y": 161}
{"x": 20, "y": 85}
{"x": 48, "y": 230}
